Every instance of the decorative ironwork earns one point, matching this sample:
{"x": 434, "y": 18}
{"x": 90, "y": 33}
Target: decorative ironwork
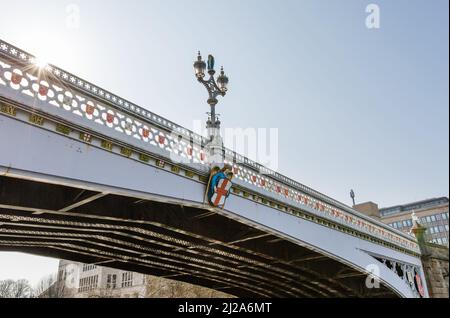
{"x": 409, "y": 273}
{"x": 144, "y": 158}
{"x": 7, "y": 109}
{"x": 37, "y": 120}
{"x": 63, "y": 129}
{"x": 107, "y": 145}
{"x": 86, "y": 137}
{"x": 126, "y": 152}
{"x": 214, "y": 88}
{"x": 76, "y": 96}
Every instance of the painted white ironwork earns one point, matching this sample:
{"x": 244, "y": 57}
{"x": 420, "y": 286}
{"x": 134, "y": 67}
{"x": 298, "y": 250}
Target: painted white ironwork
{"x": 58, "y": 88}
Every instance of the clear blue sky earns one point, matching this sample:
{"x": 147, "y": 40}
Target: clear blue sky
{"x": 355, "y": 107}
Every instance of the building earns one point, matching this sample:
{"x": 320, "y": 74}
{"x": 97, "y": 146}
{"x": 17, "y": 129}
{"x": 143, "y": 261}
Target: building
{"x": 67, "y": 279}
{"x": 87, "y": 280}
{"x": 77, "y": 280}
{"x": 432, "y": 214}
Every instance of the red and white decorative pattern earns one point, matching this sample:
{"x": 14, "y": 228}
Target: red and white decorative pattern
{"x": 72, "y": 94}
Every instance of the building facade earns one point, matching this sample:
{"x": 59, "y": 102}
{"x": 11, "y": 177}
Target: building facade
{"x": 77, "y": 280}
{"x": 432, "y": 214}
{"x": 89, "y": 281}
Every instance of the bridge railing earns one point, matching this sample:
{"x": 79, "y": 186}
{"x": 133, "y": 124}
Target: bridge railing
{"x": 56, "y": 88}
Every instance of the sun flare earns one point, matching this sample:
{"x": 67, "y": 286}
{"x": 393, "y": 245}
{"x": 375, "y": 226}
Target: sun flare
{"x": 40, "y": 62}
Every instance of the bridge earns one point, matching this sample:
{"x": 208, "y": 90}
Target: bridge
{"x": 88, "y": 176}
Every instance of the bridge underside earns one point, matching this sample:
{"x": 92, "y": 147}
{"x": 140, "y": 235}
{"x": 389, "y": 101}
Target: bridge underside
{"x": 167, "y": 240}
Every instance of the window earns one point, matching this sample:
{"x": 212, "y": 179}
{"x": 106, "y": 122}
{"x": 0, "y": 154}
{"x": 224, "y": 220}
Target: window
{"x": 431, "y": 230}
{"x": 438, "y": 217}
{"x": 88, "y": 267}
{"x": 409, "y": 222}
{"x": 444, "y": 240}
{"x": 428, "y": 219}
{"x": 446, "y": 227}
{"x": 441, "y": 229}
{"x": 433, "y": 218}
{"x": 111, "y": 281}
{"x": 88, "y": 283}
{"x": 439, "y": 240}
{"x": 127, "y": 279}
{"x": 405, "y": 223}
{"x": 444, "y": 216}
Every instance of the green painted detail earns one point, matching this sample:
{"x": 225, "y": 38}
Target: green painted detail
{"x": 236, "y": 190}
{"x": 245, "y": 194}
{"x": 189, "y": 174}
{"x": 63, "y": 129}
{"x": 37, "y": 120}
{"x": 86, "y": 137}
{"x": 107, "y": 145}
{"x": 8, "y": 109}
{"x": 175, "y": 169}
{"x": 203, "y": 179}
{"x": 144, "y": 158}
{"x": 126, "y": 152}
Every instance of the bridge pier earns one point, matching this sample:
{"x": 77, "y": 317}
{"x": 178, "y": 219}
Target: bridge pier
{"x": 435, "y": 260}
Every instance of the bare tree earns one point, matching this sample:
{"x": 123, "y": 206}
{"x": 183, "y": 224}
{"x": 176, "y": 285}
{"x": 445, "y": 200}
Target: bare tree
{"x": 22, "y": 289}
{"x": 50, "y": 287}
{"x": 15, "y": 289}
{"x": 166, "y": 288}
{"x": 6, "y": 287}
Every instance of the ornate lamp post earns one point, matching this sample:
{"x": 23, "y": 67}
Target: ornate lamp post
{"x": 215, "y": 88}
{"x": 352, "y": 195}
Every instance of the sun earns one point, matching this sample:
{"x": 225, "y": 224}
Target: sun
{"x": 40, "y": 62}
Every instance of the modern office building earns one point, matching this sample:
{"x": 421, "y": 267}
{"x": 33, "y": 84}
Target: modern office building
{"x": 432, "y": 213}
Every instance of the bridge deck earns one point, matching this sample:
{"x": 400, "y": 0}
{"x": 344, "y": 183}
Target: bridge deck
{"x": 89, "y": 176}
{"x": 167, "y": 240}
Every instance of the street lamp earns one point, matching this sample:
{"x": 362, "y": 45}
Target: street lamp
{"x": 214, "y": 88}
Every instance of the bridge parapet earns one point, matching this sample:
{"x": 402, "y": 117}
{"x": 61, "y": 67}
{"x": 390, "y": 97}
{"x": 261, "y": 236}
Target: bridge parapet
{"x": 95, "y": 109}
